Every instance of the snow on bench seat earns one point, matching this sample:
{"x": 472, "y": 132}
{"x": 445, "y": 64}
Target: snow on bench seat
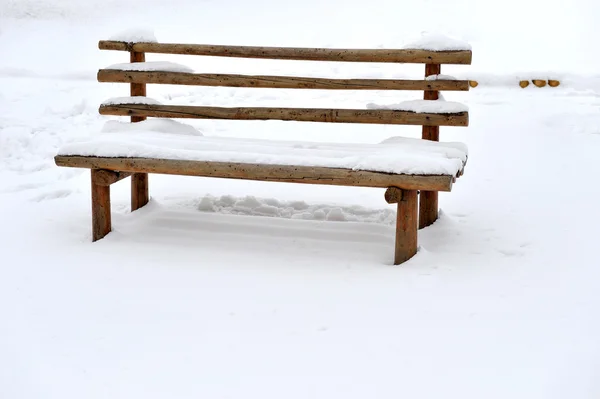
{"x": 167, "y": 139}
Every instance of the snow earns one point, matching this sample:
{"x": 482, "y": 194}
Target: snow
{"x": 436, "y": 41}
{"x": 135, "y": 36}
{"x": 168, "y": 126}
{"x": 294, "y": 209}
{"x": 131, "y": 100}
{"x": 440, "y": 77}
{"x": 440, "y": 106}
{"x": 151, "y": 66}
{"x": 227, "y": 289}
{"x": 396, "y": 155}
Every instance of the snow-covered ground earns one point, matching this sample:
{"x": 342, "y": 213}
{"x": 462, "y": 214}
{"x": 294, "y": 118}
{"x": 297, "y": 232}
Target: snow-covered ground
{"x": 238, "y": 289}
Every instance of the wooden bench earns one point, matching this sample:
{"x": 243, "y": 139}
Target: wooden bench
{"x": 402, "y": 188}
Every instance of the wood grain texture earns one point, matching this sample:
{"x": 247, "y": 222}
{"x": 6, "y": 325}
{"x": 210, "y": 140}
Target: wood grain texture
{"x": 108, "y": 177}
{"x": 275, "y": 82}
{"x": 138, "y": 88}
{"x": 140, "y": 193}
{"x": 393, "y": 195}
{"x": 428, "y": 208}
{"x": 294, "y": 53}
{"x": 431, "y": 132}
{"x": 276, "y": 173}
{"x": 101, "y": 218}
{"x": 374, "y": 116}
{"x": 428, "y": 200}
{"x": 406, "y": 227}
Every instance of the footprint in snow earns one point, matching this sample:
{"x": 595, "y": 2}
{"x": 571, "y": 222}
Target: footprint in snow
{"x": 52, "y": 195}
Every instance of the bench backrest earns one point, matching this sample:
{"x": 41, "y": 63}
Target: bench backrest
{"x": 432, "y": 60}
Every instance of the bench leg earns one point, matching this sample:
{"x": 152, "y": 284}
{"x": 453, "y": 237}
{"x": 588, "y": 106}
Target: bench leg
{"x": 406, "y": 222}
{"x": 139, "y": 190}
{"x": 101, "y": 222}
{"x": 428, "y": 208}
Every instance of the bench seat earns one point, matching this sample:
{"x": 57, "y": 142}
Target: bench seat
{"x": 149, "y": 146}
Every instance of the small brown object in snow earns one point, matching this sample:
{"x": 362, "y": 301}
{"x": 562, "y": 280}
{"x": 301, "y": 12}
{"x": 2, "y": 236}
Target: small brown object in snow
{"x": 553, "y": 83}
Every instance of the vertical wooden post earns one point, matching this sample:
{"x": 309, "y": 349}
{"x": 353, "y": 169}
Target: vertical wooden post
{"x": 428, "y": 201}
{"x": 139, "y": 181}
{"x": 406, "y": 227}
{"x": 101, "y": 222}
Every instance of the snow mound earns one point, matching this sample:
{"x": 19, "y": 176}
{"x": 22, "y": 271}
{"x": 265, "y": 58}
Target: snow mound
{"x": 409, "y": 156}
{"x": 135, "y": 36}
{"x": 452, "y": 148}
{"x": 440, "y": 106}
{"x": 271, "y": 207}
{"x": 152, "y": 66}
{"x": 166, "y": 126}
{"x": 440, "y": 77}
{"x": 437, "y": 42}
{"x": 131, "y": 100}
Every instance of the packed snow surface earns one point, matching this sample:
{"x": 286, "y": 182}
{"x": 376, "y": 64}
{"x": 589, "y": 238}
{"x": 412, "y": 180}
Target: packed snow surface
{"x": 398, "y": 155}
{"x": 168, "y": 126}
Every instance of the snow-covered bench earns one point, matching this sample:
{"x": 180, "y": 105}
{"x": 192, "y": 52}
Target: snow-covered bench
{"x": 405, "y": 167}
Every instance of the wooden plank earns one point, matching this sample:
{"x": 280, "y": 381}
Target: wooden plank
{"x": 406, "y": 227}
{"x": 375, "y": 116}
{"x": 294, "y": 53}
{"x": 428, "y": 200}
{"x": 276, "y": 82}
{"x": 101, "y": 219}
{"x": 275, "y": 173}
{"x": 140, "y": 193}
{"x": 108, "y": 177}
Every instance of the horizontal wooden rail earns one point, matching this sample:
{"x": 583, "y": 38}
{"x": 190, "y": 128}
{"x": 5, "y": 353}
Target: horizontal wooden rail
{"x": 408, "y": 56}
{"x": 276, "y": 82}
{"x": 276, "y": 173}
{"x": 375, "y": 116}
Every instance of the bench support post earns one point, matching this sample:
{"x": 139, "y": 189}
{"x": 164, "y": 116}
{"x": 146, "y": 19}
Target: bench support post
{"x": 139, "y": 181}
{"x": 406, "y": 222}
{"x": 101, "y": 222}
{"x": 139, "y": 190}
{"x": 428, "y": 201}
